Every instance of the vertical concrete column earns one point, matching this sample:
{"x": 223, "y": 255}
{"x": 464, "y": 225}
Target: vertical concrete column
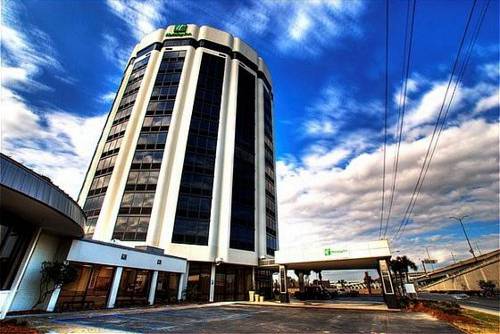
{"x": 183, "y": 282}
{"x": 152, "y": 288}
{"x": 113, "y": 292}
{"x": 284, "y": 298}
{"x": 53, "y": 299}
{"x": 253, "y": 279}
{"x": 212, "y": 283}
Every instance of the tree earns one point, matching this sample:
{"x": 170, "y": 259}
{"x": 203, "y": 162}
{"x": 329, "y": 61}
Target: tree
{"x": 300, "y": 274}
{"x": 342, "y": 283}
{"x": 487, "y": 287}
{"x": 317, "y": 271}
{"x": 368, "y": 281}
{"x": 400, "y": 266}
{"x": 54, "y": 276}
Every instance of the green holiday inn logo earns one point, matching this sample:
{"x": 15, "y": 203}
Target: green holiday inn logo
{"x": 179, "y": 31}
{"x": 329, "y": 251}
{"x": 180, "y": 28}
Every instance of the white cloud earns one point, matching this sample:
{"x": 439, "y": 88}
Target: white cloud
{"x": 321, "y": 21}
{"x": 488, "y": 103}
{"x": 56, "y": 144}
{"x": 318, "y": 128}
{"x": 140, "y": 17}
{"x": 322, "y": 204}
{"x": 52, "y": 142}
{"x": 107, "y": 97}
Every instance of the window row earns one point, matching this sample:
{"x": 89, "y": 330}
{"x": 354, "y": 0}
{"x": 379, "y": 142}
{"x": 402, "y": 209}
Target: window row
{"x": 270, "y": 205}
{"x": 201, "y": 144}
{"x": 111, "y": 147}
{"x": 271, "y": 244}
{"x": 152, "y": 141}
{"x": 142, "y": 179}
{"x": 128, "y": 100}
{"x": 93, "y": 205}
{"x": 89, "y": 227}
{"x": 174, "y": 55}
{"x": 167, "y": 78}
{"x": 137, "y": 75}
{"x": 156, "y": 123}
{"x": 170, "y": 67}
{"x": 199, "y": 163}
{"x": 132, "y": 87}
{"x": 147, "y": 159}
{"x": 140, "y": 63}
{"x": 99, "y": 184}
{"x": 160, "y": 108}
{"x": 137, "y": 202}
{"x": 197, "y": 184}
{"x": 164, "y": 93}
{"x": 271, "y": 223}
{"x": 105, "y": 165}
{"x": 131, "y": 228}
{"x": 270, "y": 189}
{"x": 206, "y": 111}
{"x": 194, "y": 207}
{"x": 122, "y": 114}
{"x": 192, "y": 232}
{"x": 117, "y": 130}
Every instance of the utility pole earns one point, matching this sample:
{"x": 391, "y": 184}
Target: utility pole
{"x": 478, "y": 249}
{"x": 453, "y": 257}
{"x": 471, "y": 250}
{"x": 429, "y": 257}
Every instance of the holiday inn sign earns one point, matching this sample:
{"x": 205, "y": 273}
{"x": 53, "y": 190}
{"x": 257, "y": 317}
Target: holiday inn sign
{"x": 179, "y": 31}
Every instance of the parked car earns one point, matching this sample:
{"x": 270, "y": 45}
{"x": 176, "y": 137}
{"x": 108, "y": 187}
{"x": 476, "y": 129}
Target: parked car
{"x": 313, "y": 293}
{"x": 460, "y": 296}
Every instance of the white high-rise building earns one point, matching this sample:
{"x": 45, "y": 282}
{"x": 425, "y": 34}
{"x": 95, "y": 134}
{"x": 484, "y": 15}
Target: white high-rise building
{"x": 186, "y": 159}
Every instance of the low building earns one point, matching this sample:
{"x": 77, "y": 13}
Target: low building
{"x": 40, "y": 223}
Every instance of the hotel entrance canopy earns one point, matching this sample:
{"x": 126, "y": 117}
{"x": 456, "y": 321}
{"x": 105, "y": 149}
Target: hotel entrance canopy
{"x": 360, "y": 255}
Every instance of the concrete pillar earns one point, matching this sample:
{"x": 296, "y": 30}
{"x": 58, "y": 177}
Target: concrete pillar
{"x": 113, "y": 292}
{"x": 53, "y": 300}
{"x": 152, "y": 288}
{"x": 183, "y": 280}
{"x": 254, "y": 286}
{"x": 284, "y": 298}
{"x": 212, "y": 283}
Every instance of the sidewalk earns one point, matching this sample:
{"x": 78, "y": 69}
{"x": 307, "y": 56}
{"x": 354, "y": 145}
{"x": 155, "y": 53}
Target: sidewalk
{"x": 327, "y": 304}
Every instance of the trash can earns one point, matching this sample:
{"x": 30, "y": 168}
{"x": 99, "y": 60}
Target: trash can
{"x": 256, "y": 296}
{"x": 251, "y": 295}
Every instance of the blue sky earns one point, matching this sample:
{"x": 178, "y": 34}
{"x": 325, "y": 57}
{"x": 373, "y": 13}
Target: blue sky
{"x": 62, "y": 63}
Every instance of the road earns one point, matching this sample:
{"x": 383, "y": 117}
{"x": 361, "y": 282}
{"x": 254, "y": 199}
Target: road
{"x": 474, "y": 301}
{"x": 242, "y": 319}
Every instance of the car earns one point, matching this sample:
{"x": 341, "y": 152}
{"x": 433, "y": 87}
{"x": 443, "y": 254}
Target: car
{"x": 460, "y": 296}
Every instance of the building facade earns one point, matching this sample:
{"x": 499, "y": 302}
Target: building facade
{"x": 42, "y": 226}
{"x": 186, "y": 160}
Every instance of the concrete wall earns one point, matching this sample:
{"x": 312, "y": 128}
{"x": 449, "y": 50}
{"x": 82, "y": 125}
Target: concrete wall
{"x": 469, "y": 280}
{"x": 48, "y": 248}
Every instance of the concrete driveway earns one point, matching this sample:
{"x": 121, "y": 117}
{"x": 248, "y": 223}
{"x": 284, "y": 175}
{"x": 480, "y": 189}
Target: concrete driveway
{"x": 244, "y": 319}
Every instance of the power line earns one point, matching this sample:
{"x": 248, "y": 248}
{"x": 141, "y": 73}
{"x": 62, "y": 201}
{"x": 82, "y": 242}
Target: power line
{"x": 432, "y": 143}
{"x": 402, "y": 103}
{"x": 386, "y": 107}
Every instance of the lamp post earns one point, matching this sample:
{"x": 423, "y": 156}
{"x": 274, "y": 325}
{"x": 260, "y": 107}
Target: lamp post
{"x": 466, "y": 236}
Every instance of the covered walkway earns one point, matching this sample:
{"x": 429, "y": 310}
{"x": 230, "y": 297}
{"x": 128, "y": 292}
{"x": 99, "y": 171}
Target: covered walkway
{"x": 366, "y": 255}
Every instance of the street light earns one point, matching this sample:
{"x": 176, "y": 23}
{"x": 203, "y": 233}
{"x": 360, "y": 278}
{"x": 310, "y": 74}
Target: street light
{"x": 466, "y": 237}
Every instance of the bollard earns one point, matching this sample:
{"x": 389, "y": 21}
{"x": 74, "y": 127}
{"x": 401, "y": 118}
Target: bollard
{"x": 251, "y": 295}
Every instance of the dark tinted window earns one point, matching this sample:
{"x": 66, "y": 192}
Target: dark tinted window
{"x": 243, "y": 195}
{"x": 192, "y": 217}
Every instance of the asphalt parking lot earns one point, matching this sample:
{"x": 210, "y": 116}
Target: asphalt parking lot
{"x": 246, "y": 319}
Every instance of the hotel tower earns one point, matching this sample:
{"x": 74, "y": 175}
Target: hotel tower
{"x": 185, "y": 164}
